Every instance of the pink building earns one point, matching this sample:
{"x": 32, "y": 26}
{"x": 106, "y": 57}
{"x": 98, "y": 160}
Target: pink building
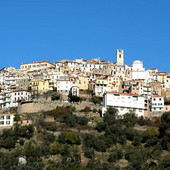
{"x": 167, "y": 108}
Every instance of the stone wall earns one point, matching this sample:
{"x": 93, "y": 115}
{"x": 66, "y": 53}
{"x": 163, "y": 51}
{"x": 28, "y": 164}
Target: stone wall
{"x": 36, "y": 107}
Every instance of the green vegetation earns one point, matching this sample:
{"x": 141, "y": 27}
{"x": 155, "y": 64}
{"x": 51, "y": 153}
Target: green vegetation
{"x": 96, "y": 100}
{"x": 59, "y": 139}
{"x": 73, "y": 98}
{"x": 55, "y": 96}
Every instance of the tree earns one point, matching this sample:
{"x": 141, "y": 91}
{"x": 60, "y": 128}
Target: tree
{"x": 112, "y": 111}
{"x": 73, "y": 98}
{"x": 69, "y": 137}
{"x": 55, "y": 147}
{"x": 31, "y": 149}
{"x": 116, "y": 155}
{"x": 96, "y": 100}
{"x": 101, "y": 126}
{"x": 69, "y": 119}
{"x": 100, "y": 145}
{"x": 89, "y": 153}
{"x": 164, "y": 130}
{"x": 82, "y": 120}
{"x": 55, "y": 96}
{"x": 17, "y": 118}
{"x": 130, "y": 119}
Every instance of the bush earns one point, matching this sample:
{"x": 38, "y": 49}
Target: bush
{"x": 96, "y": 100}
{"x": 116, "y": 155}
{"x": 101, "y": 126}
{"x": 69, "y": 119}
{"x": 82, "y": 120}
{"x": 55, "y": 96}
{"x": 55, "y": 147}
{"x": 69, "y": 137}
{"x": 89, "y": 153}
{"x": 17, "y": 118}
{"x": 52, "y": 127}
{"x": 86, "y": 109}
{"x": 73, "y": 98}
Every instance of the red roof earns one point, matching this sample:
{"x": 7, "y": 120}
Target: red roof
{"x": 156, "y": 96}
{"x": 43, "y": 61}
{"x": 128, "y": 94}
{"x": 19, "y": 91}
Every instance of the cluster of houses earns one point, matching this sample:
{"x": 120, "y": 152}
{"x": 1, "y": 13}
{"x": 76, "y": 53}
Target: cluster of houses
{"x": 126, "y": 87}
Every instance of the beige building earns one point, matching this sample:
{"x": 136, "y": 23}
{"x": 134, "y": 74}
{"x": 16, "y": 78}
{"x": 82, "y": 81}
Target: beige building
{"x": 23, "y": 84}
{"x": 156, "y": 88}
{"x": 82, "y": 82}
{"x": 39, "y": 85}
{"x": 36, "y": 66}
{"x": 120, "y": 57}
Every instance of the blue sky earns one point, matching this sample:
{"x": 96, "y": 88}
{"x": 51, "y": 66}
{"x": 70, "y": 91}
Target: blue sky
{"x": 33, "y": 30}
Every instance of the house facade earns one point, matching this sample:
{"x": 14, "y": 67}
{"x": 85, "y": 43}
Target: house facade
{"x": 124, "y": 103}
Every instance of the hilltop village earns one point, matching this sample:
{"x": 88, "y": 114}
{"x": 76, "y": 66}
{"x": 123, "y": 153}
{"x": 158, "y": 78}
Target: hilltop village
{"x": 125, "y": 87}
{"x": 84, "y": 115}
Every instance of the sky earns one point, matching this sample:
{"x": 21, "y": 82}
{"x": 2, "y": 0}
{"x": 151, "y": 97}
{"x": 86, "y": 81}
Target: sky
{"x": 35, "y": 30}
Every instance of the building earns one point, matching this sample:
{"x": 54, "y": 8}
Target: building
{"x": 6, "y": 119}
{"x": 157, "y": 104}
{"x": 138, "y": 71}
{"x": 19, "y": 95}
{"x": 75, "y": 90}
{"x": 124, "y": 102}
{"x": 120, "y": 57}
{"x": 36, "y": 66}
{"x": 64, "y": 86}
{"x": 39, "y": 85}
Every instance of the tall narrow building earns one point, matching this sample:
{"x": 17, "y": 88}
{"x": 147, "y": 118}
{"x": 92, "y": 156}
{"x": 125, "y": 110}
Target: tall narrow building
{"x": 120, "y": 57}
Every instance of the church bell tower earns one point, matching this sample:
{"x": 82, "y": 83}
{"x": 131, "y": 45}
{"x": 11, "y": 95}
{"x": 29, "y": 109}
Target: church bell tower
{"x": 120, "y": 57}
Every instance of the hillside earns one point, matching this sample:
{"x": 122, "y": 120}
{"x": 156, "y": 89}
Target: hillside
{"x": 61, "y": 139}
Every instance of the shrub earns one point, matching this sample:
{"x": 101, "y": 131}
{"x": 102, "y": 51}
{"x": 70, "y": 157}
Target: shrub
{"x": 96, "y": 100}
{"x": 55, "y": 96}
{"x": 89, "y": 153}
{"x": 69, "y": 137}
{"x": 55, "y": 147}
{"x": 82, "y": 120}
{"x": 116, "y": 155}
{"x": 101, "y": 126}
{"x": 86, "y": 109}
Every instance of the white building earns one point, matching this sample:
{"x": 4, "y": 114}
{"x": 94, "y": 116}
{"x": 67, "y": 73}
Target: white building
{"x": 75, "y": 91}
{"x": 64, "y": 86}
{"x": 157, "y": 104}
{"x": 5, "y": 99}
{"x": 124, "y": 102}
{"x": 138, "y": 71}
{"x": 19, "y": 95}
{"x": 6, "y": 120}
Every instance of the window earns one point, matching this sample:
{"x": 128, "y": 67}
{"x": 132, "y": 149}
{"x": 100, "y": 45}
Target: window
{"x": 160, "y": 99}
{"x": 8, "y": 117}
{"x": 1, "y": 117}
{"x": 1, "y": 122}
{"x": 7, "y": 122}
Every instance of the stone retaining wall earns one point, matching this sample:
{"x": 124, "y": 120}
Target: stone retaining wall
{"x": 36, "y": 107}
